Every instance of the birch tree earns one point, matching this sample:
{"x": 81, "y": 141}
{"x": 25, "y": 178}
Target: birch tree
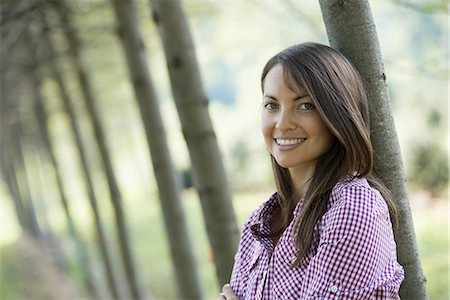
{"x": 192, "y": 105}
{"x": 351, "y": 30}
{"x": 183, "y": 257}
{"x": 75, "y": 46}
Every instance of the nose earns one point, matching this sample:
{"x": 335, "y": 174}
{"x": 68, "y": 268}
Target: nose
{"x": 285, "y": 121}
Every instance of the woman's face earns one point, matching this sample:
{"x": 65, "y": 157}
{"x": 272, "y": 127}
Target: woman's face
{"x": 293, "y": 130}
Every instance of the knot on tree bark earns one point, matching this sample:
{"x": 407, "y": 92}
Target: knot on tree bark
{"x": 155, "y": 17}
{"x": 176, "y": 62}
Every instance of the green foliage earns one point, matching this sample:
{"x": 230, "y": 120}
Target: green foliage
{"x": 433, "y": 241}
{"x": 433, "y": 247}
{"x": 435, "y": 118}
{"x": 240, "y": 155}
{"x": 430, "y": 168}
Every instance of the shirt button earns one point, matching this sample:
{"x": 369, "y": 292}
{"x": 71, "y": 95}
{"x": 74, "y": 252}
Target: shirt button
{"x": 333, "y": 289}
{"x": 293, "y": 258}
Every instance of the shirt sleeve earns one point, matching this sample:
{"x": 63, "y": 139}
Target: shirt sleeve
{"x": 356, "y": 257}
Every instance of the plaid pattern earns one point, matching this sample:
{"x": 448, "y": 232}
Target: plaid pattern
{"x": 353, "y": 254}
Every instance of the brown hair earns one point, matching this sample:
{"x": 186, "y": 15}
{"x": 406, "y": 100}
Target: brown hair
{"x": 337, "y": 91}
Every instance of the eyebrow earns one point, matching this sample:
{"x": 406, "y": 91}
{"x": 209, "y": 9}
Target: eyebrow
{"x": 294, "y": 99}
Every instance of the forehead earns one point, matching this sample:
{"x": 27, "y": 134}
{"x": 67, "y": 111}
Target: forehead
{"x": 278, "y": 77}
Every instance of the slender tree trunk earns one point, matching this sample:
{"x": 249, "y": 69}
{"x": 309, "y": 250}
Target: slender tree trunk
{"x": 351, "y": 30}
{"x": 23, "y": 183}
{"x": 192, "y": 106}
{"x": 75, "y": 126}
{"x": 185, "y": 266}
{"x": 75, "y": 49}
{"x": 11, "y": 182}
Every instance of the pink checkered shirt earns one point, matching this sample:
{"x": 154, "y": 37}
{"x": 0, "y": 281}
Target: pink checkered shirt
{"x": 353, "y": 254}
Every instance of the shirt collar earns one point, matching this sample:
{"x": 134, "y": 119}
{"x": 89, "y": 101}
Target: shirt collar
{"x": 260, "y": 223}
{"x": 261, "y": 220}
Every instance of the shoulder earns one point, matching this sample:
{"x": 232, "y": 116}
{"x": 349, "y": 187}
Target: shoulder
{"x": 355, "y": 209}
{"x": 358, "y": 194}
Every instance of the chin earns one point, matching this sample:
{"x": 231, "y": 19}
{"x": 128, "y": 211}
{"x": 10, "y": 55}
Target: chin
{"x": 285, "y": 164}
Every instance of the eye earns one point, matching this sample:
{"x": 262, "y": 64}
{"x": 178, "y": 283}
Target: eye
{"x": 307, "y": 106}
{"x": 271, "y": 106}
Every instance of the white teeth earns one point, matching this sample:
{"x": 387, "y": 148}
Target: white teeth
{"x": 287, "y": 142}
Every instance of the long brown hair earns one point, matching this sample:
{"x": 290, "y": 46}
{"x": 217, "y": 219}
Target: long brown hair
{"x": 337, "y": 92}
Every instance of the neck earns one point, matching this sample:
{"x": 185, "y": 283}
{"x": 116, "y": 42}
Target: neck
{"x": 301, "y": 178}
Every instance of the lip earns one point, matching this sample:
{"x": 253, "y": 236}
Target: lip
{"x": 288, "y": 147}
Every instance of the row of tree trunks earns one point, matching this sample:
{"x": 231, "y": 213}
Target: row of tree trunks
{"x": 75, "y": 46}
{"x": 44, "y": 135}
{"x": 58, "y": 76}
{"x": 351, "y": 30}
{"x": 192, "y": 105}
{"x": 184, "y": 263}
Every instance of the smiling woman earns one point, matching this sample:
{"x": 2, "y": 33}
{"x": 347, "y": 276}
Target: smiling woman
{"x": 293, "y": 129}
{"x": 327, "y": 232}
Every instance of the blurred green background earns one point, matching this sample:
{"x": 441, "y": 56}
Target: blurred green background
{"x": 233, "y": 41}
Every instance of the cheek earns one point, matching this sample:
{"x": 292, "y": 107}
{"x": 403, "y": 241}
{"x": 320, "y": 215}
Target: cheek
{"x": 326, "y": 138}
{"x": 266, "y": 127}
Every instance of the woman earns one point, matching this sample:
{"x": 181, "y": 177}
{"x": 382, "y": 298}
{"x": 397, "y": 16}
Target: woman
{"x": 327, "y": 232}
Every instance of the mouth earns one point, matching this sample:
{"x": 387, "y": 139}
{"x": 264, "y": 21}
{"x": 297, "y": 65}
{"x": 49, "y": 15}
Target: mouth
{"x": 289, "y": 142}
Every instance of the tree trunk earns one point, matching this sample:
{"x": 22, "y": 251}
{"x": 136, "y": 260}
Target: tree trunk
{"x": 74, "y": 125}
{"x": 75, "y": 47}
{"x": 192, "y": 106}
{"x": 351, "y": 30}
{"x": 184, "y": 261}
{"x": 23, "y": 183}
{"x": 11, "y": 182}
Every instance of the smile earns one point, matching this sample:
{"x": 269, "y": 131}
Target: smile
{"x": 289, "y": 142}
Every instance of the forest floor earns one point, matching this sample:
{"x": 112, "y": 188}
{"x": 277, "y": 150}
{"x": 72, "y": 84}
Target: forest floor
{"x": 29, "y": 271}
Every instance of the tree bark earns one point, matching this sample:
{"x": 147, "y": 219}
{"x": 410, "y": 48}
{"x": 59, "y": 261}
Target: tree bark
{"x": 75, "y": 47}
{"x": 192, "y": 106}
{"x": 351, "y": 30}
{"x": 185, "y": 266}
{"x": 20, "y": 170}
{"x": 75, "y": 127}
{"x": 11, "y": 182}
